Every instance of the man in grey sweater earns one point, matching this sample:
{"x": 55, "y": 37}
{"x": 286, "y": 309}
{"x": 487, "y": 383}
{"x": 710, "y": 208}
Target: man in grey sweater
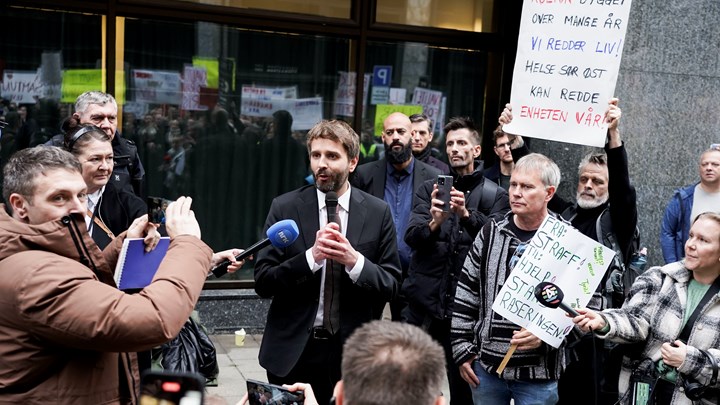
{"x": 480, "y": 338}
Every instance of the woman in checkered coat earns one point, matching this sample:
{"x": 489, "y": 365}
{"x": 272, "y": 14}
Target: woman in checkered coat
{"x": 660, "y": 303}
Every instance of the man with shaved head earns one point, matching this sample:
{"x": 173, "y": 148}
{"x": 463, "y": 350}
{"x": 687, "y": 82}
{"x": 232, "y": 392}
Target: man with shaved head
{"x": 395, "y": 179}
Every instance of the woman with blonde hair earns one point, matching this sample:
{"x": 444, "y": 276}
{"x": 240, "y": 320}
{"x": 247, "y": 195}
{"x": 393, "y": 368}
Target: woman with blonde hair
{"x": 674, "y": 311}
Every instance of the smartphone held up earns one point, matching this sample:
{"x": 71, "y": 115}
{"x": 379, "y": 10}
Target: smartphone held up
{"x": 444, "y": 186}
{"x": 156, "y": 209}
{"x": 261, "y": 393}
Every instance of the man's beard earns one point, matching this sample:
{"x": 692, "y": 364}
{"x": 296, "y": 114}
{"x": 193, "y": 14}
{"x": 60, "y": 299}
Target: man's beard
{"x": 335, "y": 183}
{"x": 590, "y": 204}
{"x": 395, "y": 157}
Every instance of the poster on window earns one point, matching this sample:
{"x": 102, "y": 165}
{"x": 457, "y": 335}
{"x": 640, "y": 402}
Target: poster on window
{"x": 566, "y": 68}
{"x": 193, "y": 79}
{"x": 22, "y": 87}
{"x": 345, "y": 94}
{"x": 430, "y": 100}
{"x": 306, "y": 112}
{"x": 268, "y": 93}
{"x": 157, "y": 87}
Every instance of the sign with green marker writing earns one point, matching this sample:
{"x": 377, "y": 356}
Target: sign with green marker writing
{"x": 560, "y": 254}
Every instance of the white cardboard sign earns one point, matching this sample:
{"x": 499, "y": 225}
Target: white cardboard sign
{"x": 560, "y": 254}
{"x": 566, "y": 68}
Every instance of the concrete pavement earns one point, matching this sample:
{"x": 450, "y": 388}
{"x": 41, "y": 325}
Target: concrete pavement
{"x": 239, "y": 363}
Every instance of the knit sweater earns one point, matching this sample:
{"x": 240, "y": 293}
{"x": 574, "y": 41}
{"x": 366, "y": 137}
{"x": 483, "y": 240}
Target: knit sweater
{"x": 476, "y": 329}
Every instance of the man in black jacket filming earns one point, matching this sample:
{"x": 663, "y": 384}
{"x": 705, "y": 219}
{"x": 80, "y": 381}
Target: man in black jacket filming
{"x": 441, "y": 239}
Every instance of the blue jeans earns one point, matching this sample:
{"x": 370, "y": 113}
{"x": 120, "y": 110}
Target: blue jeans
{"x": 493, "y": 390}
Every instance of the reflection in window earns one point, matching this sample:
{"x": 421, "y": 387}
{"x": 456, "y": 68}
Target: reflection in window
{"x": 440, "y": 82}
{"x": 221, "y": 114}
{"x": 324, "y": 8}
{"x": 464, "y": 15}
{"x": 47, "y": 58}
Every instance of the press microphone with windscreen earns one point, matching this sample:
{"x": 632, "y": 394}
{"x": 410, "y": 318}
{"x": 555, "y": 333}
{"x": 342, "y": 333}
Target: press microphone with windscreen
{"x": 331, "y": 202}
{"x": 551, "y": 296}
{"x": 281, "y": 234}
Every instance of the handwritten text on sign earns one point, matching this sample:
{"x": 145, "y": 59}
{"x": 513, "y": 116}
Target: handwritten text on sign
{"x": 22, "y": 87}
{"x": 560, "y": 254}
{"x": 566, "y": 68}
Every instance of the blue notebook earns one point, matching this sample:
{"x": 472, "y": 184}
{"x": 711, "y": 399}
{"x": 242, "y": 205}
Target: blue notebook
{"x": 135, "y": 268}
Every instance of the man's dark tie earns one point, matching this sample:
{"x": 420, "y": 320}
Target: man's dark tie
{"x": 331, "y": 298}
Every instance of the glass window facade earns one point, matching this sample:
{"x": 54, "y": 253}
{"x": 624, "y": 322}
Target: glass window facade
{"x": 46, "y": 57}
{"x": 221, "y": 114}
{"x": 219, "y": 111}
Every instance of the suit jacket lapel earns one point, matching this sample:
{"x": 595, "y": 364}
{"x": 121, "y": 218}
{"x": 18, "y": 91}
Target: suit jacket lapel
{"x": 378, "y": 179}
{"x": 418, "y": 174}
{"x": 308, "y": 215}
{"x": 357, "y": 217}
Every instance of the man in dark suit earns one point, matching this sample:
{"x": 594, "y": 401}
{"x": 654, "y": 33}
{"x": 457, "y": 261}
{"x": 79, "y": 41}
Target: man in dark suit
{"x": 395, "y": 179}
{"x": 309, "y": 317}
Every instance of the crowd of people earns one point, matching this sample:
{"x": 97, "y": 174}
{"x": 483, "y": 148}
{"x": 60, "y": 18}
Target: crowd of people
{"x": 371, "y": 235}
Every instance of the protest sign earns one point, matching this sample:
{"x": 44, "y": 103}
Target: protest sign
{"x": 430, "y": 100}
{"x": 566, "y": 68}
{"x": 211, "y": 66}
{"x": 157, "y": 87}
{"x": 383, "y": 110}
{"x": 77, "y": 81}
{"x": 250, "y": 92}
{"x": 345, "y": 94}
{"x": 306, "y": 112}
{"x": 560, "y": 254}
{"x": 193, "y": 79}
{"x": 22, "y": 87}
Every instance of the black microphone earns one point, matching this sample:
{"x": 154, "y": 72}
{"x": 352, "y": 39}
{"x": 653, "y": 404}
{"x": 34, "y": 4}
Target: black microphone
{"x": 281, "y": 234}
{"x": 551, "y": 296}
{"x": 331, "y": 202}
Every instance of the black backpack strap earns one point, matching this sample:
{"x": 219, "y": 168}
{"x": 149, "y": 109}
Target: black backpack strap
{"x": 569, "y": 213}
{"x": 711, "y": 292}
{"x": 487, "y": 198}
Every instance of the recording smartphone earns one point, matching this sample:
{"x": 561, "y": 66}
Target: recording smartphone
{"x": 444, "y": 185}
{"x": 156, "y": 209}
{"x": 261, "y": 393}
{"x": 163, "y": 387}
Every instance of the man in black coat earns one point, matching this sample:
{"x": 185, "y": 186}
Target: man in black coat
{"x": 442, "y": 238}
{"x": 303, "y": 337}
{"x": 395, "y": 178}
{"x": 100, "y": 109}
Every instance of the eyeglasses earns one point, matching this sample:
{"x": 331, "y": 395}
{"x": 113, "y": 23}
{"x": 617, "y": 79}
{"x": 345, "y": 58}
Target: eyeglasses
{"x": 391, "y": 131}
